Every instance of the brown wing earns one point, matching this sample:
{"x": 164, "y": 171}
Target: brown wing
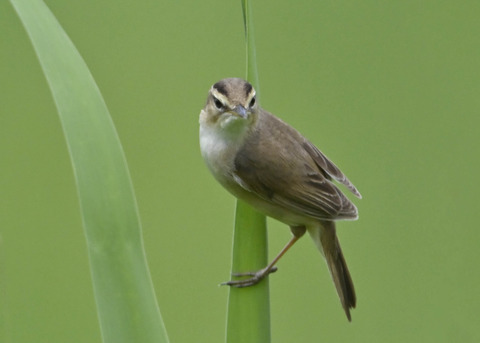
{"x": 282, "y": 167}
{"x": 329, "y": 167}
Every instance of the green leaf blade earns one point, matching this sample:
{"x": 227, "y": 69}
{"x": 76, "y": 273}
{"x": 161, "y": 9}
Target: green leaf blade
{"x": 126, "y": 303}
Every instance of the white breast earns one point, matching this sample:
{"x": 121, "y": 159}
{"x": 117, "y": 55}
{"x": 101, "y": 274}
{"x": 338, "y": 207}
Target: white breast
{"x": 219, "y": 148}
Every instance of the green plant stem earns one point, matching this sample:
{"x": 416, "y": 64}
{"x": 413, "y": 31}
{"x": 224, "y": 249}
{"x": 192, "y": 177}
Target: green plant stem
{"x": 251, "y": 54}
{"x": 126, "y": 303}
{"x": 249, "y": 308}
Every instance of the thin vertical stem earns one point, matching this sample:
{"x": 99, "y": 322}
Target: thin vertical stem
{"x": 249, "y": 308}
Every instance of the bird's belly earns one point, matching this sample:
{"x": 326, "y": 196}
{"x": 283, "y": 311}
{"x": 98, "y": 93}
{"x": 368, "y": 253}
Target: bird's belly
{"x": 270, "y": 209}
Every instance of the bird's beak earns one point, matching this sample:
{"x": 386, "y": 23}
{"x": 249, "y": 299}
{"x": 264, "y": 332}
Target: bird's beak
{"x": 241, "y": 111}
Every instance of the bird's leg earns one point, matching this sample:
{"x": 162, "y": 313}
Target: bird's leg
{"x": 256, "y": 277}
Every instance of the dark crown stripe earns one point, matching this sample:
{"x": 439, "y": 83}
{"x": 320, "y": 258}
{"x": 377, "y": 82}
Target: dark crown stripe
{"x": 221, "y": 87}
{"x": 248, "y": 88}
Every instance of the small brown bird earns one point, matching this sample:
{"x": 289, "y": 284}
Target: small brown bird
{"x": 271, "y": 166}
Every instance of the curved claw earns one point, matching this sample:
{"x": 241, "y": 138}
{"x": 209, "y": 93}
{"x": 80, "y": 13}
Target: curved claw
{"x": 272, "y": 270}
{"x": 256, "y": 277}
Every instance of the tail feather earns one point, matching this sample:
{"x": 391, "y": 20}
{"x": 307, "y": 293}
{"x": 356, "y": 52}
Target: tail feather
{"x": 328, "y": 243}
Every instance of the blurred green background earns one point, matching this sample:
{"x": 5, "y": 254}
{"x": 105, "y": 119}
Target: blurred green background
{"x": 390, "y": 91}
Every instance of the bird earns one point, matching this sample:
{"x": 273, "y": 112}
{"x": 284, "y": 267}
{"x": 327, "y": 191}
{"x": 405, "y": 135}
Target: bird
{"x": 268, "y": 164}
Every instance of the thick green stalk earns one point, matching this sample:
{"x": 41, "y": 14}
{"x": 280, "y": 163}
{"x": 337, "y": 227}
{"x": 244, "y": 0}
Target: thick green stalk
{"x": 126, "y": 304}
{"x": 249, "y": 308}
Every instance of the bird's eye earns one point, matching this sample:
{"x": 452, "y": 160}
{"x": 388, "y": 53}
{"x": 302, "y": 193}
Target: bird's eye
{"x": 252, "y": 102}
{"x": 218, "y": 103}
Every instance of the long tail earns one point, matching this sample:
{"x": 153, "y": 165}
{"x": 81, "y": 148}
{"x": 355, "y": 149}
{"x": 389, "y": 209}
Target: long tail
{"x": 325, "y": 238}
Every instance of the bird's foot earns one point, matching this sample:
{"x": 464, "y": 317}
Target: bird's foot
{"x": 256, "y": 277}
